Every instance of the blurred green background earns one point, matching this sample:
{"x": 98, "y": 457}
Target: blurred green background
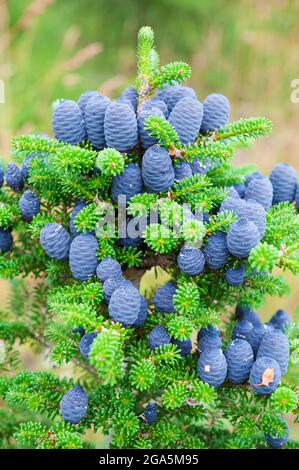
{"x": 246, "y": 49}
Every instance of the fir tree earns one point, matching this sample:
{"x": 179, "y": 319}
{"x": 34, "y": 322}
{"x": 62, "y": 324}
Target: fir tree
{"x": 72, "y": 294}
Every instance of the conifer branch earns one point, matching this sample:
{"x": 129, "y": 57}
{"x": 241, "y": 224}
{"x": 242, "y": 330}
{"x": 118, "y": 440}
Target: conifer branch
{"x": 80, "y": 292}
{"x": 244, "y": 130}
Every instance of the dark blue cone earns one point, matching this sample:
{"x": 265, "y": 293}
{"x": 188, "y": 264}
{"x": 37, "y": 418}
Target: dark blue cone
{"x": 68, "y": 122}
{"x": 142, "y": 315}
{"x": 130, "y": 232}
{"x": 182, "y": 170}
{"x": 265, "y": 375}
{"x": 210, "y": 329}
{"x": 212, "y": 367}
{"x": 94, "y": 120}
{"x": 108, "y": 267}
{"x": 254, "y": 212}
{"x": 280, "y": 320}
{"x": 84, "y": 99}
{"x": 232, "y": 192}
{"x": 128, "y": 183}
{"x": 242, "y": 330}
{"x": 209, "y": 341}
{"x": 236, "y": 276}
{"x": 131, "y": 94}
{"x": 73, "y": 405}
{"x": 276, "y": 442}
{"x": 83, "y": 256}
{"x": 261, "y": 191}
{"x": 276, "y": 345}
{"x": 55, "y": 240}
{"x": 5, "y": 241}
{"x": 77, "y": 208}
{"x": 163, "y": 93}
{"x": 120, "y": 126}
{"x": 124, "y": 305}
{"x": 230, "y": 204}
{"x": 242, "y": 236}
{"x": 240, "y": 188}
{"x": 150, "y": 413}
{"x": 1, "y": 177}
{"x": 158, "y": 337}
{"x": 145, "y": 139}
{"x": 156, "y": 103}
{"x": 184, "y": 346}
{"x": 186, "y": 118}
{"x": 176, "y": 93}
{"x": 157, "y": 170}
{"x": 199, "y": 167}
{"x": 86, "y": 343}
{"x": 29, "y": 205}
{"x": 216, "y": 251}
{"x": 27, "y": 161}
{"x": 110, "y": 284}
{"x": 163, "y": 298}
{"x": 284, "y": 181}
{"x": 216, "y": 113}
{"x": 256, "y": 335}
{"x": 254, "y": 174}
{"x": 191, "y": 260}
{"x": 25, "y": 170}
{"x": 239, "y": 357}
{"x": 14, "y": 177}
{"x": 113, "y": 283}
{"x": 123, "y": 100}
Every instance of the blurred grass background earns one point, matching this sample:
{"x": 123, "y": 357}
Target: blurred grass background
{"x": 246, "y": 49}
